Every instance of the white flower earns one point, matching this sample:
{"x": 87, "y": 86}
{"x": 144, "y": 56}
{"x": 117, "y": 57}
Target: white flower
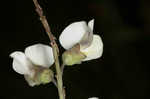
{"x": 35, "y": 55}
{"x": 93, "y": 98}
{"x": 81, "y": 33}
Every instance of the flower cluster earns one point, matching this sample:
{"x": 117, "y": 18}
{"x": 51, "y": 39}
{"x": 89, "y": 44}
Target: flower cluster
{"x": 80, "y": 44}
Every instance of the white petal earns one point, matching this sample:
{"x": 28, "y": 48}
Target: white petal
{"x": 95, "y": 50}
{"x": 93, "y": 98}
{"x": 73, "y": 34}
{"x": 91, "y": 24}
{"x": 21, "y": 64}
{"x": 88, "y": 37}
{"x": 40, "y": 54}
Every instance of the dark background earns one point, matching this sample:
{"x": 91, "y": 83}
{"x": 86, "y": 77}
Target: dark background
{"x": 121, "y": 73}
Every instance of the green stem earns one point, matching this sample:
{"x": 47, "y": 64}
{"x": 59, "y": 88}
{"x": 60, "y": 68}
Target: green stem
{"x": 55, "y": 49}
{"x": 59, "y": 74}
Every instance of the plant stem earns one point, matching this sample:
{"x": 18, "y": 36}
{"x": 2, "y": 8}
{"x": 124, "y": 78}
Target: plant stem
{"x": 59, "y": 74}
{"x": 62, "y": 68}
{"x": 46, "y": 26}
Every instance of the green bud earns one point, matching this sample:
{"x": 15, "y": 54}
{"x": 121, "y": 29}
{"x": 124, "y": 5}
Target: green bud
{"x": 73, "y": 56}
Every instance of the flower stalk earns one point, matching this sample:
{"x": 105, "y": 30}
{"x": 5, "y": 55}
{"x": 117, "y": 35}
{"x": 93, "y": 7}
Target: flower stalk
{"x": 54, "y": 47}
{"x": 58, "y": 74}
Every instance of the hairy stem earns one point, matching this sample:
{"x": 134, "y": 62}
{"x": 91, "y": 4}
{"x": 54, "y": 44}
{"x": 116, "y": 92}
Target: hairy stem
{"x": 54, "y": 47}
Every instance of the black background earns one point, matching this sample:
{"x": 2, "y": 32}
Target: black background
{"x": 121, "y": 73}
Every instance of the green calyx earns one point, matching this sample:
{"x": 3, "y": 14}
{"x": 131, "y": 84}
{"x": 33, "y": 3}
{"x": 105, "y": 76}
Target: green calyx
{"x": 73, "y": 56}
{"x": 46, "y": 76}
{"x": 41, "y": 76}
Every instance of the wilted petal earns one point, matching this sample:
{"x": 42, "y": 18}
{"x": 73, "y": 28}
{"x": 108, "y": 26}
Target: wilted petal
{"x": 91, "y": 24}
{"x": 21, "y": 64}
{"x": 30, "y": 80}
{"x": 73, "y": 34}
{"x": 40, "y": 54}
{"x": 95, "y": 50}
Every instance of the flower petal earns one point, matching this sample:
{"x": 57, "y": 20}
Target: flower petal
{"x": 95, "y": 50}
{"x": 93, "y": 98}
{"x": 21, "y": 64}
{"x": 30, "y": 80}
{"x": 88, "y": 37}
{"x": 73, "y": 34}
{"x": 91, "y": 24}
{"x": 40, "y": 54}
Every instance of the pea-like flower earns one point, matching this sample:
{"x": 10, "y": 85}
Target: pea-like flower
{"x": 80, "y": 42}
{"x": 93, "y": 98}
{"x": 34, "y": 64}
